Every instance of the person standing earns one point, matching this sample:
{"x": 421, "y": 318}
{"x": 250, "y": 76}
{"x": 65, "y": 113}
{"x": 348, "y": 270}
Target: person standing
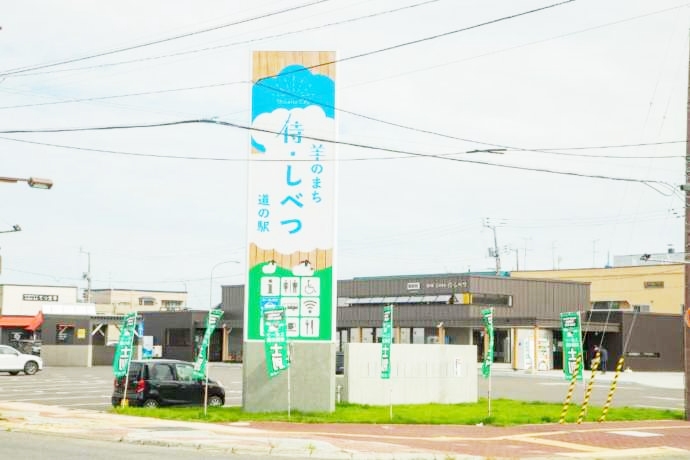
{"x": 603, "y": 358}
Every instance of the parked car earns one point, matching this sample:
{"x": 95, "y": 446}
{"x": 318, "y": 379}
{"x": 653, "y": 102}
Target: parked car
{"x": 14, "y": 361}
{"x": 165, "y": 382}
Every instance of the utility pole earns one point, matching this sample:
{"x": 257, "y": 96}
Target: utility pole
{"x": 495, "y": 252}
{"x": 87, "y": 276}
{"x": 686, "y": 306}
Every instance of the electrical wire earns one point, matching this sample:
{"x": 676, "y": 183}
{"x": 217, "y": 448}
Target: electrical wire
{"x": 227, "y": 45}
{"x": 162, "y": 40}
{"x": 422, "y": 40}
{"x": 190, "y": 157}
{"x": 351, "y": 144}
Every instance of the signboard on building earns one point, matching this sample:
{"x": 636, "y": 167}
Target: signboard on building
{"x": 40, "y": 297}
{"x": 291, "y": 211}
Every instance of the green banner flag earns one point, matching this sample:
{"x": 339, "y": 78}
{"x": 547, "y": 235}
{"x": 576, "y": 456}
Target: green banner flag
{"x": 488, "y": 319}
{"x": 572, "y": 345}
{"x": 125, "y": 348}
{"x": 275, "y": 338}
{"x": 386, "y": 340}
{"x": 212, "y": 321}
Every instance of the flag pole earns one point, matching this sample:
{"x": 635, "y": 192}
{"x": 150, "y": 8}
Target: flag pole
{"x": 289, "y": 395}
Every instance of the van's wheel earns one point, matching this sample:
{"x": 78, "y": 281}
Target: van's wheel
{"x": 30, "y": 368}
{"x": 14, "y": 372}
{"x": 151, "y": 403}
{"x": 215, "y": 401}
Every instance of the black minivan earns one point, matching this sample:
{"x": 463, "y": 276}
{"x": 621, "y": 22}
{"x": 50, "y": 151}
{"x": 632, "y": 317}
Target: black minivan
{"x": 165, "y": 382}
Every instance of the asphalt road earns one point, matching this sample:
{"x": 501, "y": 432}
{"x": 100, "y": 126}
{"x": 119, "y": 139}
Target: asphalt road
{"x": 90, "y": 388}
{"x": 524, "y": 387}
{"x": 41, "y": 446}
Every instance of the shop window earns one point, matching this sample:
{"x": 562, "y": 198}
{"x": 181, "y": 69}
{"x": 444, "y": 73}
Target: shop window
{"x": 178, "y": 337}
{"x": 653, "y": 284}
{"x": 64, "y": 334}
{"x": 171, "y": 304}
{"x": 497, "y": 300}
{"x": 147, "y": 301}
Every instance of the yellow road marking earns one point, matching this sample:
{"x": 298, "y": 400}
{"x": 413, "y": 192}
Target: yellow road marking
{"x": 562, "y": 444}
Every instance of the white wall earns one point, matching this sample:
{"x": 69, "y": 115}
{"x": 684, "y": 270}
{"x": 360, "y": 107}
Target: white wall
{"x": 420, "y": 374}
{"x": 28, "y": 300}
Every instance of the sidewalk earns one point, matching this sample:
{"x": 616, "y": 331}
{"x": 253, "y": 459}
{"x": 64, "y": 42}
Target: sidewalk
{"x": 660, "y": 439}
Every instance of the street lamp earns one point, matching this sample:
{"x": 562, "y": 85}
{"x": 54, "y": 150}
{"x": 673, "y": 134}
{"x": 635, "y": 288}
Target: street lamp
{"x": 34, "y": 182}
{"x": 210, "y": 292}
{"x": 15, "y": 228}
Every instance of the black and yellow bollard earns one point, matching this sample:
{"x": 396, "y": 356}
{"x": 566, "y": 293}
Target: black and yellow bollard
{"x": 612, "y": 390}
{"x": 588, "y": 392}
{"x": 571, "y": 387}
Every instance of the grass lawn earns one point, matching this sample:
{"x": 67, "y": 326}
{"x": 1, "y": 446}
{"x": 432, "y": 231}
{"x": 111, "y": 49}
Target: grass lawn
{"x": 504, "y": 412}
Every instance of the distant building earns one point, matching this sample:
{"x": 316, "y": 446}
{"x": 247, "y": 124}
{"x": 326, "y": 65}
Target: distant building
{"x": 446, "y": 308}
{"x": 21, "y": 310}
{"x": 120, "y": 301}
{"x": 657, "y": 288}
{"x": 26, "y": 300}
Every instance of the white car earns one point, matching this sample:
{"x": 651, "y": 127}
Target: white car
{"x": 13, "y": 361}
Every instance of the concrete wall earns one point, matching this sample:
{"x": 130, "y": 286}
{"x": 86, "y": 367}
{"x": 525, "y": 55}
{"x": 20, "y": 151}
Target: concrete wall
{"x": 66, "y": 355}
{"x": 312, "y": 379}
{"x": 445, "y": 374}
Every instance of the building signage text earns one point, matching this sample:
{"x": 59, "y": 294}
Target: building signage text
{"x": 40, "y": 297}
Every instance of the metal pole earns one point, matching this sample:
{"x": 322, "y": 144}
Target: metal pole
{"x": 498, "y": 257}
{"x": 289, "y": 395}
{"x": 686, "y": 328}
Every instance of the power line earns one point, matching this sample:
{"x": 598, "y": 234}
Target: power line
{"x": 425, "y": 39}
{"x": 191, "y": 157}
{"x": 649, "y": 183}
{"x": 395, "y": 47}
{"x": 503, "y": 50}
{"x": 162, "y": 40}
{"x": 227, "y": 45}
{"x": 368, "y": 53}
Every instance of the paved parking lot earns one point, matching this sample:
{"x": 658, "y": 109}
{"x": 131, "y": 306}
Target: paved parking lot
{"x": 90, "y": 388}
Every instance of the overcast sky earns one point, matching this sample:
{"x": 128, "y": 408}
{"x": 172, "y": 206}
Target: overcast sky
{"x": 596, "y": 90}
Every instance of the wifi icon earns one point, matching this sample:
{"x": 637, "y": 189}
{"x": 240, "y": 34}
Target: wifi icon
{"x": 310, "y": 307}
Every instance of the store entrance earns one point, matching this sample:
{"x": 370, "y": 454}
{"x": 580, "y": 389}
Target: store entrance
{"x": 502, "y": 345}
